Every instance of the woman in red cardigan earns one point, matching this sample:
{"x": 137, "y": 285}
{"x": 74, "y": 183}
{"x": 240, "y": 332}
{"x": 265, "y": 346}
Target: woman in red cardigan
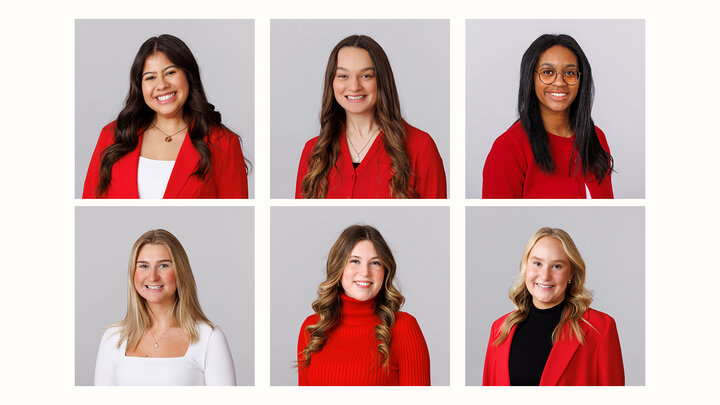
{"x": 365, "y": 149}
{"x": 553, "y": 337}
{"x": 168, "y": 141}
{"x": 357, "y": 336}
{"x": 554, "y": 150}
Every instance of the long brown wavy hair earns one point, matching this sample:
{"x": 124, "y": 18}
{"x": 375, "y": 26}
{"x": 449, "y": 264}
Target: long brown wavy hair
{"x": 577, "y": 297}
{"x": 332, "y": 119}
{"x": 328, "y": 304}
{"x": 186, "y": 311}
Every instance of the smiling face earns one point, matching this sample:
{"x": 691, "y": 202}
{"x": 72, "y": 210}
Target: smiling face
{"x": 355, "y": 85}
{"x": 558, "y": 95}
{"x": 154, "y": 276}
{"x": 547, "y": 272}
{"x": 363, "y": 274}
{"x": 164, "y": 86}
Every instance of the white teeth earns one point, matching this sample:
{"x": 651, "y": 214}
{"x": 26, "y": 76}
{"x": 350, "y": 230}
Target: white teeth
{"x": 543, "y": 285}
{"x": 153, "y": 287}
{"x": 355, "y": 97}
{"x": 166, "y": 97}
{"x": 363, "y": 283}
{"x": 558, "y": 94}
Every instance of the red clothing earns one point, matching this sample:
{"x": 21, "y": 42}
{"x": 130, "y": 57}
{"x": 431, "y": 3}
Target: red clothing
{"x": 510, "y": 170}
{"x": 227, "y": 177}
{"x": 350, "y": 355}
{"x": 371, "y": 178}
{"x": 598, "y": 361}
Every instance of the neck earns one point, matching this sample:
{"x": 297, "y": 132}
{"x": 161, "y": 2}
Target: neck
{"x": 557, "y": 122}
{"x": 161, "y": 316}
{"x": 360, "y": 126}
{"x": 170, "y": 124}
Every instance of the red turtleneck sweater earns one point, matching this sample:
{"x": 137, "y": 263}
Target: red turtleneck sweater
{"x": 350, "y": 355}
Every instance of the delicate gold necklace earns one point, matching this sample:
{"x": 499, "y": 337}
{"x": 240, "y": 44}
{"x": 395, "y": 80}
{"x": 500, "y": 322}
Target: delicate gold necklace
{"x": 168, "y": 137}
{"x": 357, "y": 160}
{"x": 157, "y": 342}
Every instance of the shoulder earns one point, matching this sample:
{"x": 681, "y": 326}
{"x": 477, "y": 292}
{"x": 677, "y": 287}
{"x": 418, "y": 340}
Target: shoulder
{"x": 602, "y": 138}
{"x": 309, "y": 145}
{"x": 417, "y": 137}
{"x": 221, "y": 136}
{"x": 107, "y": 135}
{"x": 111, "y": 336}
{"x": 600, "y": 321}
{"x": 498, "y": 322}
{"x": 405, "y": 322}
{"x": 310, "y": 320}
{"x": 515, "y": 136}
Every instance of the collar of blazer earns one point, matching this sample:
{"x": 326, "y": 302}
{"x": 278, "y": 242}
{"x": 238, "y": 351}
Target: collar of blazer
{"x": 560, "y": 355}
{"x": 125, "y": 182}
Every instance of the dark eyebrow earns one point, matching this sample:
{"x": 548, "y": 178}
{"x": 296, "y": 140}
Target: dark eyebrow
{"x": 363, "y": 70}
{"x": 551, "y": 65}
{"x": 169, "y": 67}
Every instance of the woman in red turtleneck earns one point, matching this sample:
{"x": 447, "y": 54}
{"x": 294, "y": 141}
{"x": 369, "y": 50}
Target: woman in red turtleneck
{"x": 357, "y": 336}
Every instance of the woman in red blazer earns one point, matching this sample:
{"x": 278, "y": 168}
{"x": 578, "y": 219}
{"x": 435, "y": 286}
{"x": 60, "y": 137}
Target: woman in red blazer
{"x": 554, "y": 337}
{"x": 168, "y": 141}
{"x": 365, "y": 148}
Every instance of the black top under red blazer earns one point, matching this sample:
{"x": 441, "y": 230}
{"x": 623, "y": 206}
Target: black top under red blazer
{"x": 598, "y": 361}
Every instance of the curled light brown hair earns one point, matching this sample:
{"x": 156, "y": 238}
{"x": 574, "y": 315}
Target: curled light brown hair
{"x": 577, "y": 297}
{"x": 332, "y": 119}
{"x": 185, "y": 312}
{"x": 328, "y": 304}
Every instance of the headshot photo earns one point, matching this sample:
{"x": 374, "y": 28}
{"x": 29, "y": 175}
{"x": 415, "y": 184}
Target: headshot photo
{"x": 371, "y": 124}
{"x": 350, "y": 292}
{"x": 555, "y": 296}
{"x": 176, "y": 115}
{"x": 164, "y": 296}
{"x": 556, "y": 126}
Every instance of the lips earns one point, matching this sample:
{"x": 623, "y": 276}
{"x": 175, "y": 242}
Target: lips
{"x": 544, "y": 286}
{"x": 355, "y": 98}
{"x": 363, "y": 284}
{"x": 166, "y": 98}
{"x": 154, "y": 287}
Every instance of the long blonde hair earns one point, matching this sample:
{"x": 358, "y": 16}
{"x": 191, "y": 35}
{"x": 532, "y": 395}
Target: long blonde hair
{"x": 185, "y": 312}
{"x": 328, "y": 304}
{"x": 577, "y": 297}
{"x": 332, "y": 118}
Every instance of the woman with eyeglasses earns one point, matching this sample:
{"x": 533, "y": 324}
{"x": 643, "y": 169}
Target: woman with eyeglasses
{"x": 554, "y": 150}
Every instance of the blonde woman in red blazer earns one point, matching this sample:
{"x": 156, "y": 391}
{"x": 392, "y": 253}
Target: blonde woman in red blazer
{"x": 553, "y": 324}
{"x": 168, "y": 141}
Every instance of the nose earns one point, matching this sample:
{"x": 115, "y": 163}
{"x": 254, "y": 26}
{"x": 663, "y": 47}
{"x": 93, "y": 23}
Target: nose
{"x": 355, "y": 84}
{"x": 161, "y": 82}
{"x": 545, "y": 273}
{"x": 154, "y": 274}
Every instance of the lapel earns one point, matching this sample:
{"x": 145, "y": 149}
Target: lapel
{"x": 503, "y": 356}
{"x": 185, "y": 165}
{"x": 124, "y": 176}
{"x": 561, "y": 354}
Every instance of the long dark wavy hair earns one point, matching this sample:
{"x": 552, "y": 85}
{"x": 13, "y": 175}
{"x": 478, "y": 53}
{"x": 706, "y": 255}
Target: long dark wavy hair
{"x": 329, "y": 303}
{"x": 136, "y": 116}
{"x": 593, "y": 157}
{"x": 332, "y": 118}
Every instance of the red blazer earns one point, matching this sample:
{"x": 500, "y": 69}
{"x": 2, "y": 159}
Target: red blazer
{"x": 510, "y": 170}
{"x": 596, "y": 362}
{"x": 372, "y": 176}
{"x": 227, "y": 177}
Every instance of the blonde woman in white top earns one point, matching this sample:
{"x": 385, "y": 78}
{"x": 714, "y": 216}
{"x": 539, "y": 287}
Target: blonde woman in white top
{"x": 165, "y": 339}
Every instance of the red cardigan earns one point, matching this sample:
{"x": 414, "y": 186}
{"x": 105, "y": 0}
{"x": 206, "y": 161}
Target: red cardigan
{"x": 227, "y": 177}
{"x": 350, "y": 355}
{"x": 372, "y": 176}
{"x": 598, "y": 361}
{"x": 510, "y": 170}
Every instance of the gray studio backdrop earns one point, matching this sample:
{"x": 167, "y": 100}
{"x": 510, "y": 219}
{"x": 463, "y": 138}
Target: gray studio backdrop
{"x": 301, "y": 238}
{"x": 219, "y": 244}
{"x": 612, "y": 243}
{"x": 419, "y": 53}
{"x": 616, "y": 51}
{"x": 105, "y": 50}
